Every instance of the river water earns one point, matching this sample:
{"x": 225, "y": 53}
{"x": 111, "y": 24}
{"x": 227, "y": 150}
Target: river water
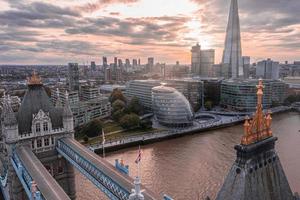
{"x": 193, "y": 167}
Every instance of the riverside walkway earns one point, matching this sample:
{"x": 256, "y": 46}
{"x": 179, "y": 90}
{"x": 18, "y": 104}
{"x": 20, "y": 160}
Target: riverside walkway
{"x": 219, "y": 121}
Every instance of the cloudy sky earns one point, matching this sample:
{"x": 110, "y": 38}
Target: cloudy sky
{"x": 61, "y": 31}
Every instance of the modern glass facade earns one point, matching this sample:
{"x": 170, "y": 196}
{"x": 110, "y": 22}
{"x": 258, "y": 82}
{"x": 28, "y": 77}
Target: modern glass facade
{"x": 171, "y": 108}
{"x": 240, "y": 95}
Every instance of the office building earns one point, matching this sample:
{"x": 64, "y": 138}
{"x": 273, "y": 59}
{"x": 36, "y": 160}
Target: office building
{"x": 108, "y": 74}
{"x": 73, "y": 76}
{"x": 196, "y": 59}
{"x": 85, "y": 111}
{"x": 142, "y": 90}
{"x": 127, "y": 64}
{"x": 115, "y": 65}
{"x": 171, "y": 108}
{"x": 150, "y": 64}
{"x": 89, "y": 93}
{"x": 202, "y": 61}
{"x": 190, "y": 88}
{"x": 240, "y": 95}
{"x": 92, "y": 105}
{"x": 93, "y": 66}
{"x": 134, "y": 63}
{"x": 267, "y": 69}
{"x": 232, "y": 55}
{"x": 105, "y": 64}
{"x": 246, "y": 66}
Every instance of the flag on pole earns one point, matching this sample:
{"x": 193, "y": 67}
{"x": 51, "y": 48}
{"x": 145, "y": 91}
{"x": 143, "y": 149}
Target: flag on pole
{"x": 139, "y": 157}
{"x": 103, "y": 137}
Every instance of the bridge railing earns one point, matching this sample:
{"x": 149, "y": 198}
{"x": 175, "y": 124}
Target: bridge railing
{"x": 103, "y": 181}
{"x": 25, "y": 179}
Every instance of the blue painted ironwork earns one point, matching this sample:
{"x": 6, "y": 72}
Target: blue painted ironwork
{"x": 121, "y": 167}
{"x": 25, "y": 179}
{"x": 110, "y": 187}
{"x": 166, "y": 197}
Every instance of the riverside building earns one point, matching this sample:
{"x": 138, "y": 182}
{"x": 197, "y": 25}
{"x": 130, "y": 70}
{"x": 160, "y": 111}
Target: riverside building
{"x": 171, "y": 108}
{"x": 240, "y": 95}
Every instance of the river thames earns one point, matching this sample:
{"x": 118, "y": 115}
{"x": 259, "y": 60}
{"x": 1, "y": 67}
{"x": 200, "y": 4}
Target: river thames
{"x": 194, "y": 166}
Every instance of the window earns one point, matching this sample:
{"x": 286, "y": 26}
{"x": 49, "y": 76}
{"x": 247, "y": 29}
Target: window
{"x": 39, "y": 143}
{"x": 52, "y": 140}
{"x": 45, "y": 126}
{"x": 38, "y": 127}
{"x": 46, "y": 142}
{"x": 60, "y": 168}
{"x": 32, "y": 144}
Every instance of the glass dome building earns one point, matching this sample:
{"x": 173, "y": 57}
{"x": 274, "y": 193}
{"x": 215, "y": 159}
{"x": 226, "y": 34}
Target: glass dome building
{"x": 171, "y": 108}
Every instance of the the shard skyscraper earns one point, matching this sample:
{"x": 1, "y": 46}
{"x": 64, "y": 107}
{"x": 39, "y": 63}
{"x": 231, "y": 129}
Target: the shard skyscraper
{"x": 232, "y": 56}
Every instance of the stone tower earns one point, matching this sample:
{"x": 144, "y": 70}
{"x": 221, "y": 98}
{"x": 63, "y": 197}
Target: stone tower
{"x": 38, "y": 124}
{"x": 232, "y": 63}
{"x": 257, "y": 172}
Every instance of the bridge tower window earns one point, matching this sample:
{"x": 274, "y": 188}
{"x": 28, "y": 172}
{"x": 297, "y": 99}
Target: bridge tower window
{"x": 45, "y": 126}
{"x": 32, "y": 144}
{"x": 46, "y": 142}
{"x": 37, "y": 127}
{"x": 39, "y": 143}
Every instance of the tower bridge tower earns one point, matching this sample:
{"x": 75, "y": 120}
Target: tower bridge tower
{"x": 257, "y": 172}
{"x": 38, "y": 125}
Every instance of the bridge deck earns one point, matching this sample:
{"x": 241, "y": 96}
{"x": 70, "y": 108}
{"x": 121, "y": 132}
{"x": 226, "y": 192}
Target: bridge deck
{"x": 123, "y": 180}
{"x": 47, "y": 185}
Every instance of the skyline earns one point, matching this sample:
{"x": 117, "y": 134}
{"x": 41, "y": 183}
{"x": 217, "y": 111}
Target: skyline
{"x": 33, "y": 32}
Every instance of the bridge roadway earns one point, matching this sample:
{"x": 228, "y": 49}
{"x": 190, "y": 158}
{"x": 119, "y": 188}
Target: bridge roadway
{"x": 123, "y": 180}
{"x": 46, "y": 184}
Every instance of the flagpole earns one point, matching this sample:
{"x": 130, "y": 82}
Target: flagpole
{"x": 103, "y": 142}
{"x": 139, "y": 175}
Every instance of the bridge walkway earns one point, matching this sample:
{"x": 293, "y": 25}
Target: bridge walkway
{"x": 46, "y": 184}
{"x": 124, "y": 181}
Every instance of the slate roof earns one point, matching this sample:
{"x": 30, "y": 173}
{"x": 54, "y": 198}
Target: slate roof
{"x": 256, "y": 174}
{"x": 35, "y": 99}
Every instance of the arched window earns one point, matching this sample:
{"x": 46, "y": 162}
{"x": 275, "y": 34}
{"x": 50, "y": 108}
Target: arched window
{"x": 37, "y": 127}
{"x": 45, "y": 126}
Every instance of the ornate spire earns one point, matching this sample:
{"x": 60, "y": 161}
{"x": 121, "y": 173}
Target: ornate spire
{"x": 35, "y": 79}
{"x": 136, "y": 193}
{"x": 8, "y": 115}
{"x": 259, "y": 128}
{"x": 58, "y": 100}
{"x": 67, "y": 112}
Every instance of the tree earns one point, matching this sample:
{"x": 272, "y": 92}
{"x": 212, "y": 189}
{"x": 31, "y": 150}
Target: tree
{"x": 118, "y": 105}
{"x": 118, "y": 115}
{"x": 208, "y": 105}
{"x": 117, "y": 94}
{"x": 135, "y": 106}
{"x": 130, "y": 121}
{"x": 92, "y": 129}
{"x": 85, "y": 139}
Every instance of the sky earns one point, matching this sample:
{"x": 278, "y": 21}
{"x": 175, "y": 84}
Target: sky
{"x": 62, "y": 31}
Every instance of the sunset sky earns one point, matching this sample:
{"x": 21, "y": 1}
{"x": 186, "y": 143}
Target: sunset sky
{"x": 62, "y": 31}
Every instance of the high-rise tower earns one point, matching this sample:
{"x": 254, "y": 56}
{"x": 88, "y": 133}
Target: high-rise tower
{"x": 232, "y": 55}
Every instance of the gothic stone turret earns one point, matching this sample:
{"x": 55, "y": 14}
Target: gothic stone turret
{"x": 257, "y": 172}
{"x": 38, "y": 124}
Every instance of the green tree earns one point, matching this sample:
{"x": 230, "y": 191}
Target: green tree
{"x": 92, "y": 129}
{"x": 134, "y": 106}
{"x": 118, "y": 115}
{"x": 130, "y": 121}
{"x": 118, "y": 105}
{"x": 208, "y": 105}
{"x": 85, "y": 139}
{"x": 117, "y": 95}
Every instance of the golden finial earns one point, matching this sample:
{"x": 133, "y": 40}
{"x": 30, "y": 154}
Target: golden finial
{"x": 35, "y": 79}
{"x": 259, "y": 128}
